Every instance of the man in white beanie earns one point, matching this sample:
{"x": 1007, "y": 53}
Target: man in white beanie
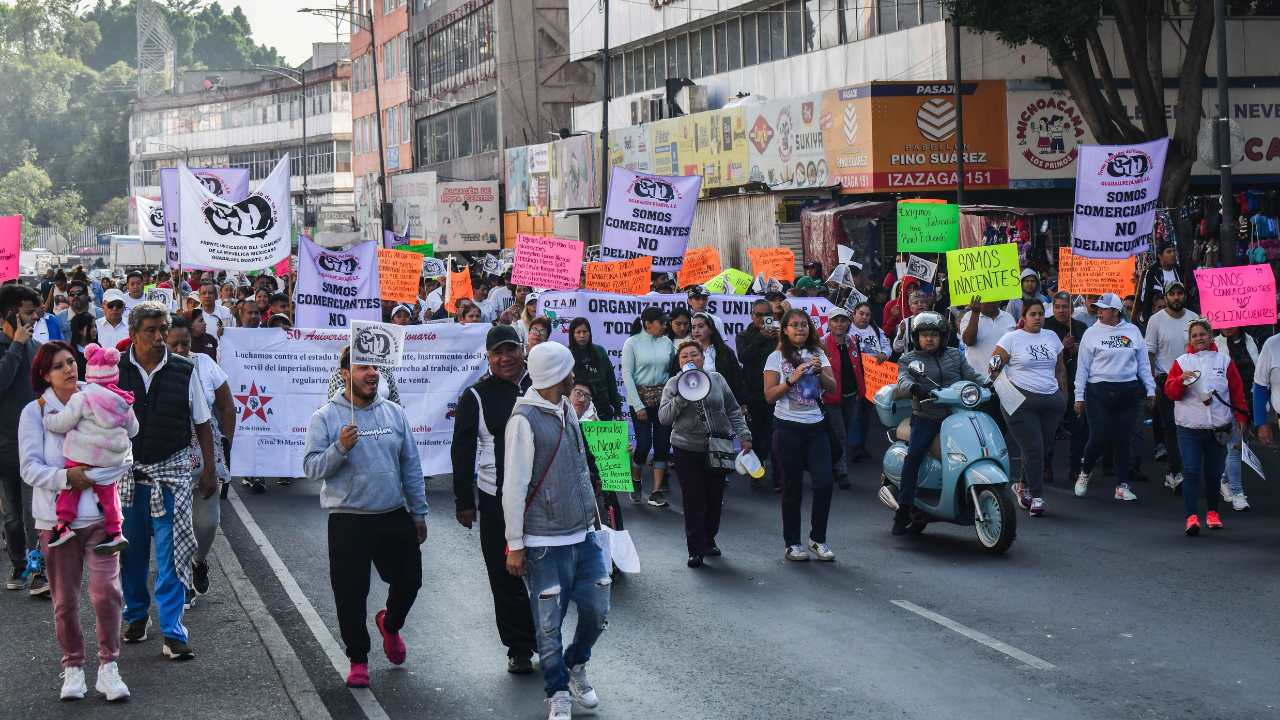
{"x": 548, "y": 466}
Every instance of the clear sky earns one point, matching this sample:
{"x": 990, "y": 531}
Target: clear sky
{"x": 278, "y": 23}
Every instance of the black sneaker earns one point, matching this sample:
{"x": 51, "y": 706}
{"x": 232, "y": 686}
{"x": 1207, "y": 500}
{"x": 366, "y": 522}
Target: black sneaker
{"x": 61, "y": 533}
{"x": 17, "y": 581}
{"x": 200, "y": 577}
{"x": 695, "y": 561}
{"x": 259, "y": 485}
{"x": 1136, "y": 475}
{"x": 843, "y": 482}
{"x": 113, "y": 544}
{"x": 756, "y": 484}
{"x": 636, "y": 497}
{"x": 137, "y": 630}
{"x": 860, "y": 453}
{"x": 520, "y": 665}
{"x": 283, "y": 481}
{"x": 223, "y": 493}
{"x": 658, "y": 499}
{"x": 713, "y": 550}
{"x": 901, "y": 519}
{"x": 190, "y": 600}
{"x": 175, "y": 649}
{"x": 39, "y": 585}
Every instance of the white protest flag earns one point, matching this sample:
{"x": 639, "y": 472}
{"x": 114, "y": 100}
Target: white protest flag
{"x": 840, "y": 275}
{"x": 845, "y": 253}
{"x": 150, "y": 219}
{"x": 230, "y": 184}
{"x": 376, "y": 343}
{"x": 434, "y": 267}
{"x": 758, "y": 285}
{"x": 248, "y": 235}
{"x": 649, "y": 215}
{"x": 1117, "y": 190}
{"x": 1251, "y": 460}
{"x": 336, "y": 287}
{"x": 918, "y": 267}
{"x": 492, "y": 265}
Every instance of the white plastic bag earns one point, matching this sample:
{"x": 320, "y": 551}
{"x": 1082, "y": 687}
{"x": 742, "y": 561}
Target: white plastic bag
{"x": 619, "y": 549}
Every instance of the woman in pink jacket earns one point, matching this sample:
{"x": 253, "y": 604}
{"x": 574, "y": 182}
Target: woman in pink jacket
{"x": 1208, "y": 397}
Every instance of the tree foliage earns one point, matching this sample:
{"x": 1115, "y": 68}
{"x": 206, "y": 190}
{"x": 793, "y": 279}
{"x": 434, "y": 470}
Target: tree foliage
{"x": 27, "y": 191}
{"x": 206, "y": 37}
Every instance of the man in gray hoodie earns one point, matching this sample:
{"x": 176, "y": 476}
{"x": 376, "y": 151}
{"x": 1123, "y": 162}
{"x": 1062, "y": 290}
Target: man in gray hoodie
{"x": 550, "y": 510}
{"x": 377, "y": 502}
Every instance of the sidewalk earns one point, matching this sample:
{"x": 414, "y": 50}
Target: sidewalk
{"x": 243, "y": 667}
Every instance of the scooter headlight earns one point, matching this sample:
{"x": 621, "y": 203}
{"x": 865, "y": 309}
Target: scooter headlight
{"x": 970, "y": 395}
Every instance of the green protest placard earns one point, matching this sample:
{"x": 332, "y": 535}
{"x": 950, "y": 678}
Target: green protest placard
{"x": 608, "y": 442}
{"x": 928, "y": 227}
{"x": 990, "y": 272}
{"x": 729, "y": 282}
{"x": 424, "y": 249}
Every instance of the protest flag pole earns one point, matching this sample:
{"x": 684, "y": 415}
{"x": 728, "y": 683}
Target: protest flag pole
{"x": 959, "y": 144}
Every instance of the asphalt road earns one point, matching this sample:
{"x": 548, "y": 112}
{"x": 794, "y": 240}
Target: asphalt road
{"x": 1103, "y": 609}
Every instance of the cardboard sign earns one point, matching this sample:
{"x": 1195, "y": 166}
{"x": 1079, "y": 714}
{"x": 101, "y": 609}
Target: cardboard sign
{"x": 918, "y": 267}
{"x": 545, "y": 262}
{"x": 398, "y": 272}
{"x": 1081, "y": 275}
{"x": 608, "y": 443}
{"x": 928, "y": 227}
{"x": 1117, "y": 190}
{"x": 628, "y": 277}
{"x": 10, "y": 246}
{"x": 459, "y": 286}
{"x": 376, "y": 343}
{"x": 729, "y": 282}
{"x": 1238, "y": 296}
{"x": 877, "y": 374}
{"x": 424, "y": 249}
{"x": 700, "y": 265}
{"x": 989, "y": 272}
{"x": 777, "y": 263}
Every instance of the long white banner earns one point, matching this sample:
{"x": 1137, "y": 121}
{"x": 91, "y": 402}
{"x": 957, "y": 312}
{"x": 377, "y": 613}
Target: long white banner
{"x": 279, "y": 378}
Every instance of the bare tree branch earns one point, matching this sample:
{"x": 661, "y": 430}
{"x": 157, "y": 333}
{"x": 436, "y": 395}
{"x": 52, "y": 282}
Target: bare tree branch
{"x": 1114, "y": 106}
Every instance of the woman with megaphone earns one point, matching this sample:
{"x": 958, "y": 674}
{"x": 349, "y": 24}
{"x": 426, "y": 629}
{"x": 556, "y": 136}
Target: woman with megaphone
{"x": 703, "y": 413}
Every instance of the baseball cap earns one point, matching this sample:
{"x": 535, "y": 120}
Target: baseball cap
{"x": 775, "y": 294}
{"x": 501, "y": 335}
{"x": 806, "y": 282}
{"x": 112, "y": 295}
{"x": 837, "y": 312}
{"x": 1108, "y": 300}
{"x": 1175, "y": 284}
{"x": 697, "y": 291}
{"x": 654, "y": 312}
{"x": 403, "y": 307}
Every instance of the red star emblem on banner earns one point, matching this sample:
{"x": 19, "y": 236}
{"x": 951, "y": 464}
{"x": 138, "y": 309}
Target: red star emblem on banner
{"x": 819, "y": 319}
{"x": 253, "y": 403}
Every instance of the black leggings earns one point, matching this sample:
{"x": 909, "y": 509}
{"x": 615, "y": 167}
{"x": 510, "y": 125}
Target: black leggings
{"x": 390, "y": 542}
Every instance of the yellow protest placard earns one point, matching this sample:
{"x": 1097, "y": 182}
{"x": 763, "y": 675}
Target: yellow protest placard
{"x": 990, "y": 272}
{"x": 700, "y": 265}
{"x": 398, "y": 273}
{"x": 629, "y": 277}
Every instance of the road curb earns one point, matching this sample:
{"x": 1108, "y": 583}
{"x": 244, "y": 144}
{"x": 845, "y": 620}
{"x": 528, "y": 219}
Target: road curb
{"x": 297, "y": 684}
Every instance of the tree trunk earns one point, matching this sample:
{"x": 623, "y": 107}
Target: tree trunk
{"x": 1115, "y": 106}
{"x": 1182, "y": 148}
{"x": 1133, "y": 40}
{"x": 1084, "y": 91}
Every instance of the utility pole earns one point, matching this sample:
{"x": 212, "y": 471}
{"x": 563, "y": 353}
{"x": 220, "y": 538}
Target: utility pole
{"x": 955, "y": 28}
{"x": 383, "y": 205}
{"x": 1227, "y": 236}
{"x": 604, "y": 120}
{"x": 306, "y": 207}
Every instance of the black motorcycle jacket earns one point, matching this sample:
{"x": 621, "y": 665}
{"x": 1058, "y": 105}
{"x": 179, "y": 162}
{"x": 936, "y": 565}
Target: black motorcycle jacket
{"x": 944, "y": 367}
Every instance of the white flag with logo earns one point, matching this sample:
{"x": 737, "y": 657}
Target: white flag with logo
{"x": 150, "y": 219}
{"x": 248, "y": 235}
{"x": 434, "y": 267}
{"x": 492, "y": 265}
{"x": 375, "y": 343}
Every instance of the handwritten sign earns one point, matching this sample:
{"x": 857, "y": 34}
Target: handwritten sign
{"x": 729, "y": 282}
{"x": 628, "y": 277}
{"x": 424, "y": 249}
{"x": 1238, "y": 296}
{"x": 10, "y": 246}
{"x": 918, "y": 267}
{"x": 459, "y": 286}
{"x": 990, "y": 272}
{"x": 545, "y": 262}
{"x": 877, "y": 374}
{"x": 608, "y": 443}
{"x": 1092, "y": 276}
{"x": 398, "y": 272}
{"x": 928, "y": 227}
{"x": 777, "y": 263}
{"x": 700, "y": 265}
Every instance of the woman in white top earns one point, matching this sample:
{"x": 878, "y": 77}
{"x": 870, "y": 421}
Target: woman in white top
{"x": 1033, "y": 364}
{"x": 871, "y": 339}
{"x": 1112, "y": 375}
{"x": 795, "y": 377}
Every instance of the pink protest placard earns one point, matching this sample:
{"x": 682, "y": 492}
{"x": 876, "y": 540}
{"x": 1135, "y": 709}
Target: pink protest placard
{"x": 10, "y": 246}
{"x": 544, "y": 262}
{"x": 1238, "y": 296}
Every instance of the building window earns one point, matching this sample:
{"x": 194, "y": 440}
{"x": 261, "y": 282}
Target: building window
{"x": 631, "y": 73}
{"x": 722, "y": 55}
{"x": 682, "y": 56}
{"x": 389, "y": 54}
{"x": 650, "y": 74}
{"x": 777, "y": 32}
{"x": 424, "y": 140}
{"x": 388, "y": 6}
{"x": 393, "y": 124}
{"x": 749, "y": 40}
{"x": 462, "y": 51}
{"x": 464, "y": 121}
{"x": 695, "y": 55}
{"x": 931, "y": 11}
{"x": 420, "y": 66}
{"x": 795, "y": 27}
{"x": 734, "y": 45}
{"x": 618, "y": 66}
{"x": 859, "y": 19}
{"x": 489, "y": 124}
{"x": 440, "y": 138}
{"x": 831, "y": 30}
{"x": 404, "y": 51}
{"x": 404, "y": 123}
{"x": 708, "y": 53}
{"x": 673, "y": 68}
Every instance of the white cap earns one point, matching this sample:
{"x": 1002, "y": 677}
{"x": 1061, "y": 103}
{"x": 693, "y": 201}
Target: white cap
{"x": 403, "y": 307}
{"x": 549, "y": 363}
{"x": 1109, "y": 300}
{"x": 112, "y": 295}
{"x": 837, "y": 312}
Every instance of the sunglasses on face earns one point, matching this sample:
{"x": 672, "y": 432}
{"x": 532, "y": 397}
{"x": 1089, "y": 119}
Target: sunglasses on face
{"x": 75, "y": 293}
{"x": 539, "y": 332}
{"x": 115, "y": 306}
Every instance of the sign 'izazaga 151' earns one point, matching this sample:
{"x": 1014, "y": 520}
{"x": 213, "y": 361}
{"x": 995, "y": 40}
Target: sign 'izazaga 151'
{"x": 1117, "y": 190}
{"x": 247, "y": 235}
{"x": 649, "y": 215}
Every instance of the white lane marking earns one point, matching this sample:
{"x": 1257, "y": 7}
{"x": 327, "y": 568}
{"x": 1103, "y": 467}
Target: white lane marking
{"x": 364, "y": 696}
{"x": 972, "y": 634}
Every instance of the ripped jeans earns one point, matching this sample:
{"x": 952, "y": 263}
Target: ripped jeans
{"x": 557, "y": 575}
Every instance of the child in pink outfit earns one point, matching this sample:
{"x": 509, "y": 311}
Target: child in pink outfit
{"x": 98, "y": 422}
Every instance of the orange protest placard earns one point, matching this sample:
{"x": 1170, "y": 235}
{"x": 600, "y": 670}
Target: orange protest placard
{"x": 877, "y": 374}
{"x": 700, "y": 265}
{"x": 1091, "y": 276}
{"x": 459, "y": 287}
{"x": 629, "y": 277}
{"x": 778, "y": 263}
{"x": 399, "y": 272}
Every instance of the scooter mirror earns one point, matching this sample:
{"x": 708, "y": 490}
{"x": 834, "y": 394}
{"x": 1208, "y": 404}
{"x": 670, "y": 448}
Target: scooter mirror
{"x": 995, "y": 364}
{"x": 916, "y": 367}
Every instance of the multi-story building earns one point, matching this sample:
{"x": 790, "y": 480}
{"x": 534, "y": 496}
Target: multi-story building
{"x": 380, "y": 104}
{"x": 250, "y": 119}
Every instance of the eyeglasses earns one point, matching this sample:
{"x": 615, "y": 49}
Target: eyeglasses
{"x": 115, "y": 305}
{"x": 798, "y": 326}
{"x": 582, "y": 393}
{"x": 539, "y": 332}
{"x": 758, "y": 314}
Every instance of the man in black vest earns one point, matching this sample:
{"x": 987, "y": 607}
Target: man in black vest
{"x": 478, "y": 429}
{"x": 156, "y": 497}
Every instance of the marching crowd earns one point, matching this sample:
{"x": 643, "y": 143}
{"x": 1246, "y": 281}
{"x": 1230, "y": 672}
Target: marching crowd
{"x": 118, "y": 423}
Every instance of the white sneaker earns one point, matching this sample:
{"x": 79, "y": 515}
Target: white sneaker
{"x": 797, "y": 553}
{"x": 1238, "y": 502}
{"x": 1123, "y": 492}
{"x": 1225, "y": 489}
{"x": 73, "y": 687}
{"x": 110, "y": 684}
{"x": 1173, "y": 481}
{"x": 561, "y": 706}
{"x": 1082, "y": 484}
{"x": 580, "y": 687}
{"x": 822, "y": 551}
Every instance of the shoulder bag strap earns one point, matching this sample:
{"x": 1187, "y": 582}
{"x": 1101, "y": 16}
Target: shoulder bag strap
{"x": 529, "y": 501}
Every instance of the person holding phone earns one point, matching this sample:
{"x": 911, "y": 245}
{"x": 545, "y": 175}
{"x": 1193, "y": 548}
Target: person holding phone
{"x": 18, "y": 305}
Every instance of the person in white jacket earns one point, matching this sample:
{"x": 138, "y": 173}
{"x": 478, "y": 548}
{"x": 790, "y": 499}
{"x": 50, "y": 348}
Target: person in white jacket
{"x": 1208, "y": 403}
{"x": 1112, "y": 375}
{"x": 43, "y": 467}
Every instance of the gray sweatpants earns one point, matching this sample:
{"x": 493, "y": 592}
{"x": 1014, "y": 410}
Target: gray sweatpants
{"x": 1033, "y": 426}
{"x": 205, "y": 515}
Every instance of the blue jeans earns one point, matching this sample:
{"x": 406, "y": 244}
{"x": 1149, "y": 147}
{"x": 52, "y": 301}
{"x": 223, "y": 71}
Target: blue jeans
{"x": 795, "y": 447}
{"x": 135, "y": 564}
{"x": 859, "y": 422}
{"x": 1201, "y": 460}
{"x": 651, "y": 433}
{"x": 1112, "y": 409}
{"x": 1232, "y": 474}
{"x": 556, "y": 576}
{"x": 923, "y": 431}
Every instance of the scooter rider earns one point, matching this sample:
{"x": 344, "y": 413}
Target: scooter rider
{"x": 944, "y": 366}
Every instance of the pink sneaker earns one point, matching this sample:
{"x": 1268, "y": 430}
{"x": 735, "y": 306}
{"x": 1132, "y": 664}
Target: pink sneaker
{"x": 359, "y": 675}
{"x": 392, "y": 644}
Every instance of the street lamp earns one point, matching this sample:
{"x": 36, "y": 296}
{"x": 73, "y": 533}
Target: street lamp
{"x": 299, "y": 76}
